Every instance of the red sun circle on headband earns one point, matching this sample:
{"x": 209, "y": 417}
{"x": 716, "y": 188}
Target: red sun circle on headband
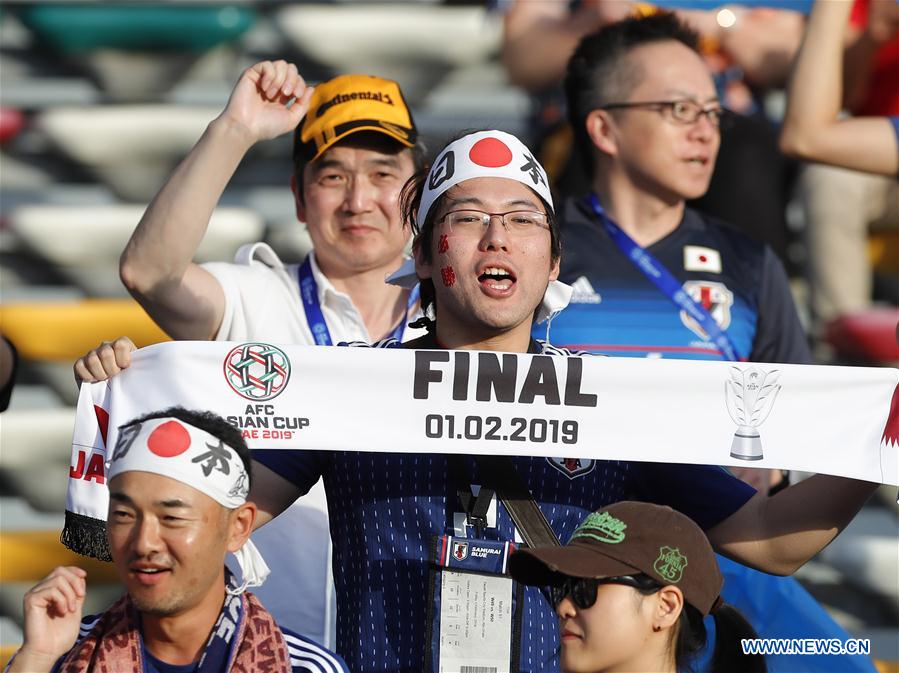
{"x": 490, "y": 153}
{"x": 169, "y": 440}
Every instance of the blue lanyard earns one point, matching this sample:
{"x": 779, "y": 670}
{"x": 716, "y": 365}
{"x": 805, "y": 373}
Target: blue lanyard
{"x": 656, "y": 272}
{"x": 316, "y": 320}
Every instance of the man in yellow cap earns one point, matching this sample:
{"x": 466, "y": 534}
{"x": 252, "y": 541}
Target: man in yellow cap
{"x": 354, "y": 148}
{"x": 354, "y": 151}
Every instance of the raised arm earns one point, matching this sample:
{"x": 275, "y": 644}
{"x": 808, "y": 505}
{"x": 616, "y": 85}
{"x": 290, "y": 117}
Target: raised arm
{"x": 812, "y": 129}
{"x": 156, "y": 266}
{"x": 539, "y": 37}
{"x": 780, "y": 533}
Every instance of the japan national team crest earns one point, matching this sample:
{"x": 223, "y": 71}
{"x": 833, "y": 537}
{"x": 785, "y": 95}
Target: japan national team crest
{"x": 460, "y": 551}
{"x": 714, "y": 298}
{"x": 257, "y": 371}
{"x": 572, "y": 467}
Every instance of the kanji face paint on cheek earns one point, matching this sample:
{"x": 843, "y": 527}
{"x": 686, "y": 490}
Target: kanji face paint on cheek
{"x": 443, "y": 244}
{"x": 448, "y": 275}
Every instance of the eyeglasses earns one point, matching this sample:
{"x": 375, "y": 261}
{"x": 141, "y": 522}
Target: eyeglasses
{"x": 583, "y": 589}
{"x": 518, "y": 222}
{"x": 683, "y": 111}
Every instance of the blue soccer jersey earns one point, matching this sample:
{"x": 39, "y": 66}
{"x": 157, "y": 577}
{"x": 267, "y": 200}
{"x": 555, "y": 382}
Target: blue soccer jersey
{"x": 386, "y": 509}
{"x": 617, "y": 310}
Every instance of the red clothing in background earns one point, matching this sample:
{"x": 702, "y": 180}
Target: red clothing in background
{"x": 883, "y": 93}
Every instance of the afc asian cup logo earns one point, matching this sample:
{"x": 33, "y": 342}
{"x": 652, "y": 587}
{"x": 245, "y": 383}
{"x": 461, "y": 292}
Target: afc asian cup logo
{"x": 257, "y": 371}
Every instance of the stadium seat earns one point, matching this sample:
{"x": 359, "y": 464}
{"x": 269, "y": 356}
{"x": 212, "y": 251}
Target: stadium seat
{"x": 6, "y": 652}
{"x": 867, "y": 336}
{"x": 27, "y": 556}
{"x": 887, "y": 666}
{"x": 62, "y": 332}
{"x": 131, "y": 148}
{"x": 866, "y": 554}
{"x": 36, "y": 438}
{"x": 78, "y": 28}
{"x": 883, "y": 250}
{"x": 11, "y": 122}
{"x": 136, "y": 51}
{"x": 84, "y": 242}
{"x": 426, "y": 41}
{"x": 475, "y": 96}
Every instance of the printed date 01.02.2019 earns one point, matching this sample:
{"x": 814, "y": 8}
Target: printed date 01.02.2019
{"x": 515, "y": 429}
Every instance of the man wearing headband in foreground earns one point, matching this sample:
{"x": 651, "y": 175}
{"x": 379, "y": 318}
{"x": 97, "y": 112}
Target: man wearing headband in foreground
{"x": 178, "y": 485}
{"x": 487, "y": 255}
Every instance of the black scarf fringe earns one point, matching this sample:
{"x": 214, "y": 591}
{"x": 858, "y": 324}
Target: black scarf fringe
{"x": 86, "y": 536}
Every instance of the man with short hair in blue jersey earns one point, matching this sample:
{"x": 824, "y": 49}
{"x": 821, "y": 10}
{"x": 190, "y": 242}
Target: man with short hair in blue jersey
{"x": 642, "y": 100}
{"x": 487, "y": 255}
{"x": 656, "y": 278}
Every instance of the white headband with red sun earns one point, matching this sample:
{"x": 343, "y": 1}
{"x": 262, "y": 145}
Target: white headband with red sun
{"x": 172, "y": 448}
{"x": 175, "y": 449}
{"x": 485, "y": 154}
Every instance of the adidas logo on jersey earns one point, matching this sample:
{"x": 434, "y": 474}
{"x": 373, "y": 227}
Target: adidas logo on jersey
{"x": 583, "y": 292}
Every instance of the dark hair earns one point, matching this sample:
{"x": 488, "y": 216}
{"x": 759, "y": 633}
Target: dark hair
{"x": 212, "y": 423}
{"x": 599, "y": 72}
{"x": 730, "y": 628}
{"x": 301, "y": 158}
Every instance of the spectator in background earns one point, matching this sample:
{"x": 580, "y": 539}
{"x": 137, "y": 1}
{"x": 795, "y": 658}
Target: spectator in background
{"x": 641, "y": 99}
{"x": 813, "y": 129}
{"x": 170, "y": 524}
{"x": 842, "y": 204}
{"x": 740, "y": 282}
{"x": 352, "y": 155}
{"x": 749, "y": 50}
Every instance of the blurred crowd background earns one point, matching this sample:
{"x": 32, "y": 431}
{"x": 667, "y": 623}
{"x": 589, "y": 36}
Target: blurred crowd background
{"x": 99, "y": 101}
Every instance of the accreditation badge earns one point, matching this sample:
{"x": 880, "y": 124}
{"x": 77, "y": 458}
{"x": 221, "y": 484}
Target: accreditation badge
{"x": 475, "y": 607}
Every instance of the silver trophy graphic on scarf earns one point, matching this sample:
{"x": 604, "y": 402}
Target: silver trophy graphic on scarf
{"x": 749, "y": 396}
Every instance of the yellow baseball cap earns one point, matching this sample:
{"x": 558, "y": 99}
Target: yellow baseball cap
{"x": 352, "y": 103}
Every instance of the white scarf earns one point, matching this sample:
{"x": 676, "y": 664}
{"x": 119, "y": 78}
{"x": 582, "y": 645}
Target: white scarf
{"x": 832, "y": 420}
{"x": 178, "y": 450}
